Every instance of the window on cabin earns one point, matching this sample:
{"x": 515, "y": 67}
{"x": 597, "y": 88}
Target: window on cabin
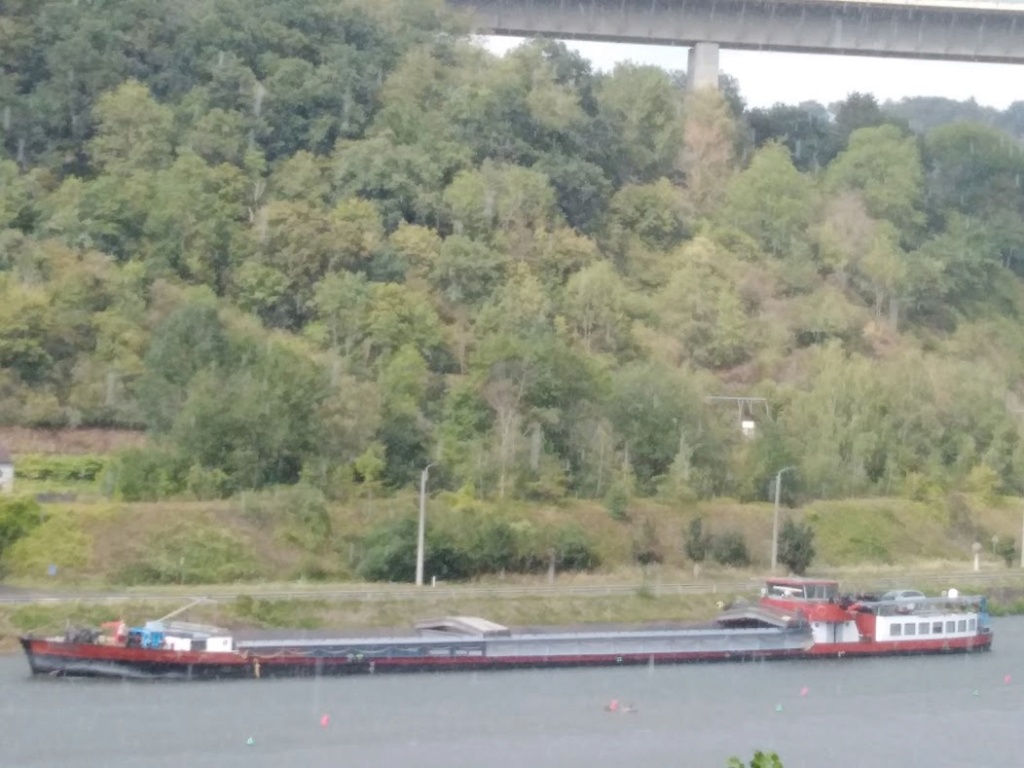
{"x": 937, "y": 628}
{"x": 961, "y": 625}
{"x": 819, "y": 591}
{"x": 895, "y": 630}
{"x": 911, "y": 629}
{"x": 950, "y": 626}
{"x": 971, "y": 625}
{"x": 826, "y": 591}
{"x": 923, "y": 627}
{"x": 787, "y": 591}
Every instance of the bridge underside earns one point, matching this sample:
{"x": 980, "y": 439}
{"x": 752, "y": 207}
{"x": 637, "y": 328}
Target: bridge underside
{"x": 900, "y": 30}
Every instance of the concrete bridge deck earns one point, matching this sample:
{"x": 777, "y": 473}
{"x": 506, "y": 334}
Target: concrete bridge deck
{"x": 951, "y": 30}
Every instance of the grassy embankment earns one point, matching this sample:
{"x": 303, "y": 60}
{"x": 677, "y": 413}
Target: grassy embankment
{"x": 97, "y": 542}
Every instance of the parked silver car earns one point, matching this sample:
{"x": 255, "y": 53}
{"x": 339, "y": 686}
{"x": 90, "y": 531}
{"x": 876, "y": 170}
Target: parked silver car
{"x": 902, "y": 594}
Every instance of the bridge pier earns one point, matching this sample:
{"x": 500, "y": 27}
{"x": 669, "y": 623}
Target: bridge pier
{"x": 702, "y": 68}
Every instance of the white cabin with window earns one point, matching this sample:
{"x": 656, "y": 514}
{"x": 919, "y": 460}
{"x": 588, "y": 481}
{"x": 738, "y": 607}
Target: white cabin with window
{"x": 899, "y": 622}
{"x": 913, "y": 627}
{"x": 6, "y": 471}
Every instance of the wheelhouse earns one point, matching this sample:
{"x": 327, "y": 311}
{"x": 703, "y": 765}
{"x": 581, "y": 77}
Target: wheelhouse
{"x": 802, "y": 589}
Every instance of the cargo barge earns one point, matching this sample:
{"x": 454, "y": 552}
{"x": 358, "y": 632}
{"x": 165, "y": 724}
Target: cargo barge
{"x": 794, "y": 619}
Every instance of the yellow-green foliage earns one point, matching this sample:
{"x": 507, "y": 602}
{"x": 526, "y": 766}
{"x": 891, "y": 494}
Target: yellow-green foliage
{"x": 59, "y": 540}
{"x": 51, "y": 618}
{"x": 60, "y": 468}
{"x": 889, "y": 531}
{"x": 191, "y": 554}
{"x": 280, "y": 613}
{"x": 196, "y": 542}
{"x": 984, "y": 481}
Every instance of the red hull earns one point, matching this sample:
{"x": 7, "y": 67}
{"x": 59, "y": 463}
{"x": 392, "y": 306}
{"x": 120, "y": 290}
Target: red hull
{"x": 59, "y": 658}
{"x": 902, "y": 647}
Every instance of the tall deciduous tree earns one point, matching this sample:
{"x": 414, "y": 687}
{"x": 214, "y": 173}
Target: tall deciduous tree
{"x": 772, "y": 202}
{"x": 255, "y": 422}
{"x": 709, "y": 144}
{"x": 644, "y": 108}
{"x": 884, "y": 166}
{"x": 133, "y": 131}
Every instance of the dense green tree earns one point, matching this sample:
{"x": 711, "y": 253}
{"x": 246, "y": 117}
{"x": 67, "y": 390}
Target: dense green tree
{"x": 701, "y": 309}
{"x": 796, "y": 546}
{"x": 18, "y": 516}
{"x": 506, "y": 204}
{"x": 643, "y": 106}
{"x": 596, "y": 304}
{"x": 255, "y": 422}
{"x": 341, "y": 301}
{"x": 649, "y": 406}
{"x": 975, "y": 171}
{"x": 771, "y": 202}
{"x": 808, "y": 134}
{"x": 406, "y": 181}
{"x": 107, "y": 213}
{"x": 643, "y": 223}
{"x": 196, "y": 223}
{"x": 133, "y": 131}
{"x": 26, "y": 334}
{"x": 191, "y": 339}
{"x": 884, "y": 166}
{"x": 856, "y": 111}
{"x": 466, "y": 271}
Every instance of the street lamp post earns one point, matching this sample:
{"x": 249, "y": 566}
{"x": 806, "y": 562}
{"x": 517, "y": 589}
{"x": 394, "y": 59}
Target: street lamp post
{"x": 775, "y": 521}
{"x": 423, "y": 525}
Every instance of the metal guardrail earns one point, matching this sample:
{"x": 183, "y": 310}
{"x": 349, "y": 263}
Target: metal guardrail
{"x": 960, "y": 580}
{"x": 385, "y": 594}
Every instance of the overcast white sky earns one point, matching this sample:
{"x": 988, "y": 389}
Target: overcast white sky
{"x": 767, "y": 78}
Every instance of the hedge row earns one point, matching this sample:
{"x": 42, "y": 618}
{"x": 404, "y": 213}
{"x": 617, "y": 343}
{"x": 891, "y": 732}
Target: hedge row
{"x": 60, "y": 468}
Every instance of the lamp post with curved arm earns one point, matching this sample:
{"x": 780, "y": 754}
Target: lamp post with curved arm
{"x": 775, "y": 521}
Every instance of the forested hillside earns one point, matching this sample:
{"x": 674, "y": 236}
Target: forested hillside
{"x": 335, "y": 241}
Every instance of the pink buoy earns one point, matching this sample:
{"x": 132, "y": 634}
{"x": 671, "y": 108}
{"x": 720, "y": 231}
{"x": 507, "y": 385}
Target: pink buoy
{"x": 613, "y": 706}
{"x": 1006, "y": 679}
{"x": 325, "y": 720}
{"x": 804, "y": 691}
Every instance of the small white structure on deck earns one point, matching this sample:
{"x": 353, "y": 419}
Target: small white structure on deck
{"x": 6, "y": 471}
{"x": 461, "y": 625}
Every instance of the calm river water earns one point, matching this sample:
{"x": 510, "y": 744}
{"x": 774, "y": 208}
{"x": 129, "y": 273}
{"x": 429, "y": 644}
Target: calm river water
{"x": 954, "y": 712}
